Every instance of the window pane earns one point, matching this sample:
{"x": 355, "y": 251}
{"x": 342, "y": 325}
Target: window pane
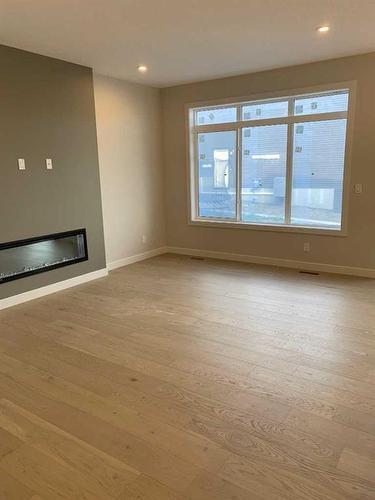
{"x": 217, "y": 174}
{"x": 321, "y": 104}
{"x": 259, "y": 111}
{"x": 263, "y": 173}
{"x": 318, "y": 173}
{"x": 216, "y": 115}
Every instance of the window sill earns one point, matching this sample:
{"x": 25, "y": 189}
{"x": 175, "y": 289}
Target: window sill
{"x": 268, "y": 227}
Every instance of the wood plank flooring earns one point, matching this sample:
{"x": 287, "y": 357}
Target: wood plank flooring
{"x": 185, "y": 379}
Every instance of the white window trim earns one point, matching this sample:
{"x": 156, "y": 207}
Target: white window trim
{"x": 192, "y": 177}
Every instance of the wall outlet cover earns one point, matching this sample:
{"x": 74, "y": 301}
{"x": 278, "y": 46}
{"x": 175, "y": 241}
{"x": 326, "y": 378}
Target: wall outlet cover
{"x": 306, "y": 246}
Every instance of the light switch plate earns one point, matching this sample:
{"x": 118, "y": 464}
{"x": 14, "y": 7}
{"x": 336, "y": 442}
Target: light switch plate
{"x": 49, "y": 164}
{"x": 21, "y": 164}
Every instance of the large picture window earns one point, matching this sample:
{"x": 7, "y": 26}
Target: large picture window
{"x": 274, "y": 162}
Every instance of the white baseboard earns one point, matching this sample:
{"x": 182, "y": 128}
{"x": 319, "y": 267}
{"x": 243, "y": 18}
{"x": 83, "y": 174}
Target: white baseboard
{"x": 136, "y": 258}
{"x": 54, "y": 287}
{"x": 78, "y": 280}
{"x": 253, "y": 259}
{"x": 269, "y": 261}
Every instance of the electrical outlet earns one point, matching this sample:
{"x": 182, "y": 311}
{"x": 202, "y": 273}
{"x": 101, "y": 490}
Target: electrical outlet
{"x": 49, "y": 164}
{"x": 358, "y": 189}
{"x": 306, "y": 246}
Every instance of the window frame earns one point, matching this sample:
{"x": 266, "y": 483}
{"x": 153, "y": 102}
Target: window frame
{"x": 291, "y": 95}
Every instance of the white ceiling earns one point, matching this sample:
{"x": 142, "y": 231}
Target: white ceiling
{"x": 187, "y": 40}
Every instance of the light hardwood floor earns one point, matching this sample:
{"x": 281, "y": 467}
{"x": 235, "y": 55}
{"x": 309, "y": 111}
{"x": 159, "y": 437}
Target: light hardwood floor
{"x": 178, "y": 378}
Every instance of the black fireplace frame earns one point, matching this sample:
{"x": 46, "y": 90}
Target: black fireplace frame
{"x": 54, "y": 236}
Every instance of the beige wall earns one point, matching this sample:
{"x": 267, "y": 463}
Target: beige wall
{"x": 129, "y": 140}
{"x": 358, "y": 248}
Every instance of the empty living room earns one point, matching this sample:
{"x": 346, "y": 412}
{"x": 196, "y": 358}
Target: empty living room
{"x": 187, "y": 263}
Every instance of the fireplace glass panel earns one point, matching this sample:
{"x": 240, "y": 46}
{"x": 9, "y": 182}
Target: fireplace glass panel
{"x": 18, "y": 259}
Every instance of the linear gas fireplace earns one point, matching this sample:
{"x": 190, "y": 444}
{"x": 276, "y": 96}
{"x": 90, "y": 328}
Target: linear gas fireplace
{"x": 43, "y": 253}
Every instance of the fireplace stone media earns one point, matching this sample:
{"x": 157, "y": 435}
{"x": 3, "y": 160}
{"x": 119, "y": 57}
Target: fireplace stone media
{"x": 37, "y": 255}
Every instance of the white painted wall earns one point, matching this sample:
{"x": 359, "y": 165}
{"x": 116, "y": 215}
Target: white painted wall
{"x": 129, "y": 141}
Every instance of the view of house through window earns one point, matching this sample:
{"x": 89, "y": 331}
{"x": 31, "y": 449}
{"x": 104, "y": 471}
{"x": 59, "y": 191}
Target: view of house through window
{"x": 217, "y": 174}
{"x": 278, "y": 162}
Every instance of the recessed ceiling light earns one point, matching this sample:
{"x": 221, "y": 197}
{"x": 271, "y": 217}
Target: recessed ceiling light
{"x": 142, "y": 68}
{"x": 323, "y": 29}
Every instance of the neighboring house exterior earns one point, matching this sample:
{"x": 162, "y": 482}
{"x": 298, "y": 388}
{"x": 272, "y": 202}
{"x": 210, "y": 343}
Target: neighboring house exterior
{"x": 318, "y": 163}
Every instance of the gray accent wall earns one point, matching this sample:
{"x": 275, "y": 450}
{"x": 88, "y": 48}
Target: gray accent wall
{"x": 47, "y": 111}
